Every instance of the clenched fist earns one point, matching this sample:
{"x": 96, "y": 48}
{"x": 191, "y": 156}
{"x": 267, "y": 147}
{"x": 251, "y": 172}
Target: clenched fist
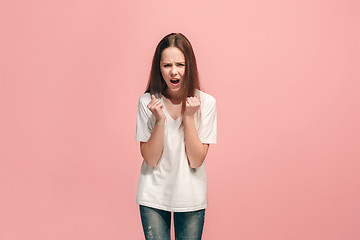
{"x": 155, "y": 106}
{"x": 192, "y": 106}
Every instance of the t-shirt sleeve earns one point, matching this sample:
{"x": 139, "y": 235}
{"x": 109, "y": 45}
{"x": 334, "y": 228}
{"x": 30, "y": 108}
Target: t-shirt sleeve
{"x": 143, "y": 130}
{"x": 208, "y": 126}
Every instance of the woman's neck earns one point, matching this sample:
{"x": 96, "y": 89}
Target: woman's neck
{"x": 174, "y": 98}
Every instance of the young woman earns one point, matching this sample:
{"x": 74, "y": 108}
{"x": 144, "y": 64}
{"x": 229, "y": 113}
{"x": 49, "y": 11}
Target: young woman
{"x": 175, "y": 124}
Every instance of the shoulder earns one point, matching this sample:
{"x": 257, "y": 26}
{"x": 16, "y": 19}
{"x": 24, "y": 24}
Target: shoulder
{"x": 145, "y": 98}
{"x": 206, "y": 98}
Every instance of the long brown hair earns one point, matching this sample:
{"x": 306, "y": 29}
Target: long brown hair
{"x": 157, "y": 85}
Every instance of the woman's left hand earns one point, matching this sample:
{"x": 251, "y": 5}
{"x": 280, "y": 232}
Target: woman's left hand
{"x": 192, "y": 106}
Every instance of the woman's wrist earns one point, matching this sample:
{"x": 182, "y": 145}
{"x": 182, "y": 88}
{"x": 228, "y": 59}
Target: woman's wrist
{"x": 161, "y": 121}
{"x": 188, "y": 118}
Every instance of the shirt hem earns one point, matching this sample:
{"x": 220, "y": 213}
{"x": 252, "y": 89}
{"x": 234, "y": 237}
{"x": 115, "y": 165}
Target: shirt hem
{"x": 142, "y": 139}
{"x": 172, "y": 209}
{"x": 208, "y": 141}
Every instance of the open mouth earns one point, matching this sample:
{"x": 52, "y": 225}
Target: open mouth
{"x": 174, "y": 81}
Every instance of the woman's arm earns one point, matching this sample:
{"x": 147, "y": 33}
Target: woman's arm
{"x": 196, "y": 150}
{"x": 151, "y": 150}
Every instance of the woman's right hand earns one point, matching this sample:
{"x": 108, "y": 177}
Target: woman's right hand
{"x": 155, "y": 106}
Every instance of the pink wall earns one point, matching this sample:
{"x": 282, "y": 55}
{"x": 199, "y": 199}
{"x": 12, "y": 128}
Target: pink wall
{"x": 286, "y": 78}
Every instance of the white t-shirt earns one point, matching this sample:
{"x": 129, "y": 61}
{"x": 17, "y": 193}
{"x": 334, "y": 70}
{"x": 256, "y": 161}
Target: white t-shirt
{"x": 173, "y": 185}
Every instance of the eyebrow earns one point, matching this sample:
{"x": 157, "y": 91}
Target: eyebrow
{"x": 170, "y": 63}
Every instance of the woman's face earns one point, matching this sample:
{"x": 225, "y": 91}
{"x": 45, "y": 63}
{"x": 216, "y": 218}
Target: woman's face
{"x": 172, "y": 65}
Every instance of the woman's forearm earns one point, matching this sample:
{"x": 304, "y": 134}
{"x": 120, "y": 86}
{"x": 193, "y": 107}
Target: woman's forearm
{"x": 195, "y": 150}
{"x": 152, "y": 149}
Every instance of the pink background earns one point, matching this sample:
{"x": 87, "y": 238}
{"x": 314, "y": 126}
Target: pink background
{"x": 286, "y": 78}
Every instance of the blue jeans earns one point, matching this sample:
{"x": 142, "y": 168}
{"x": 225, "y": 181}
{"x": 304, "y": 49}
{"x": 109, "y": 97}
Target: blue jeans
{"x": 156, "y": 224}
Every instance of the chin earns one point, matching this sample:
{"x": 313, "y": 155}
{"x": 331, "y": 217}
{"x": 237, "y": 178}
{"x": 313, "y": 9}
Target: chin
{"x": 175, "y": 89}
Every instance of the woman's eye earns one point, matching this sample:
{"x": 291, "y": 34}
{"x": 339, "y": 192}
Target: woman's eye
{"x": 169, "y": 65}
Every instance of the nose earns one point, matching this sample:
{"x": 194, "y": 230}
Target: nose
{"x": 173, "y": 71}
